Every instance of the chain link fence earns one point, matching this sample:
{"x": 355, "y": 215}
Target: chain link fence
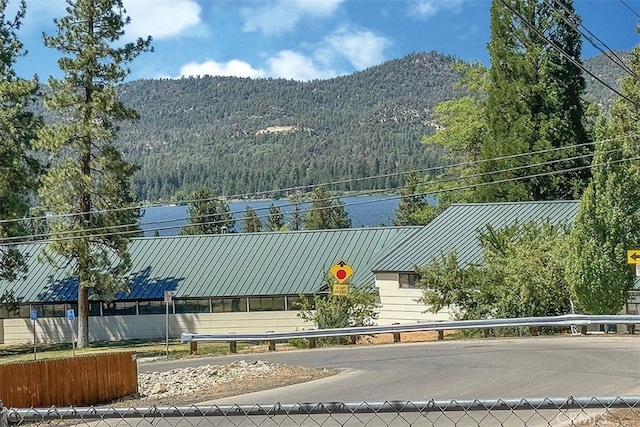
{"x": 592, "y": 411}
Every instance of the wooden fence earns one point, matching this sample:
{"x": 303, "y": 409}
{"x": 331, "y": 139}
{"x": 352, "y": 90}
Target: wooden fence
{"x": 77, "y": 381}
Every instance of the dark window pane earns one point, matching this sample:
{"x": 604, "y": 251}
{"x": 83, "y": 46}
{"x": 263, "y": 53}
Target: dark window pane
{"x": 153, "y": 307}
{"x": 118, "y": 308}
{"x": 192, "y": 306}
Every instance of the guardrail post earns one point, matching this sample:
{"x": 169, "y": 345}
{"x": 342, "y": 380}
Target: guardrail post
{"x": 3, "y": 416}
{"x": 631, "y": 329}
{"x": 396, "y": 337}
{"x": 232, "y": 347}
{"x": 583, "y": 329}
{"x": 193, "y": 347}
{"x": 272, "y": 345}
{"x": 440, "y": 334}
{"x": 535, "y": 331}
{"x": 312, "y": 342}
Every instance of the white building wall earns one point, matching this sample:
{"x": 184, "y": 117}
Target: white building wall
{"x": 400, "y": 305}
{"x": 107, "y": 328}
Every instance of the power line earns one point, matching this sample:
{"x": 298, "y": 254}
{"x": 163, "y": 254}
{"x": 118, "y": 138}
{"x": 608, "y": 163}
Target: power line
{"x": 425, "y": 170}
{"x": 571, "y": 18}
{"x": 565, "y": 54}
{"x": 24, "y": 239}
{"x": 629, "y": 7}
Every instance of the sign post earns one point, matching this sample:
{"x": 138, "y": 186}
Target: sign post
{"x": 71, "y": 315}
{"x": 33, "y": 315}
{"x": 167, "y": 301}
{"x": 341, "y": 271}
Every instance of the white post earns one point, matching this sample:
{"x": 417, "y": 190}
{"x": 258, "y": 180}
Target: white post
{"x": 167, "y": 301}
{"x": 34, "y": 316}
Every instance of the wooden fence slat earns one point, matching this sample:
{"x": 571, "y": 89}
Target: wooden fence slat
{"x": 77, "y": 381}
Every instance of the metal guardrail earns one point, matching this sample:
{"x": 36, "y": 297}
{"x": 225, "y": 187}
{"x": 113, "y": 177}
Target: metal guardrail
{"x": 564, "y": 320}
{"x": 618, "y": 410}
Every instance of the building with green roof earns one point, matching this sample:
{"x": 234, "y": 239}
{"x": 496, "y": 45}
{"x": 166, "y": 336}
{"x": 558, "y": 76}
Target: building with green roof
{"x": 249, "y": 282}
{"x": 232, "y": 282}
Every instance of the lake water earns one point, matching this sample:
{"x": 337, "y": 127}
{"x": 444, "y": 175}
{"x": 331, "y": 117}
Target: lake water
{"x": 364, "y": 211}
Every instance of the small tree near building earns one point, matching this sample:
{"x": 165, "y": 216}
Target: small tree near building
{"x": 251, "y": 223}
{"x": 207, "y": 214}
{"x": 357, "y": 308}
{"x": 325, "y": 213}
{"x": 275, "y": 221}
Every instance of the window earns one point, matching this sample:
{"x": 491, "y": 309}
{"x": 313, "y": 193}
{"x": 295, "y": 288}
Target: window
{"x": 118, "y": 308}
{"x": 409, "y": 281}
{"x": 192, "y": 306}
{"x": 153, "y": 307}
{"x": 266, "y": 304}
{"x": 228, "y": 305}
{"x": 234, "y": 304}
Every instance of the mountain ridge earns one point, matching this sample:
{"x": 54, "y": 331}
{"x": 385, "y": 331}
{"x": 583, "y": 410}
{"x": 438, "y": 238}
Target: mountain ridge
{"x": 260, "y": 136}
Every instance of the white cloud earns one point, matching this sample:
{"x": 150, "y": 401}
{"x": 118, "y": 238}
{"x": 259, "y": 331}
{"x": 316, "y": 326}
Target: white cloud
{"x": 292, "y": 65}
{"x": 286, "y": 64}
{"x": 161, "y": 18}
{"x": 362, "y": 48}
{"x": 212, "y": 68}
{"x": 428, "y": 8}
{"x": 282, "y": 16}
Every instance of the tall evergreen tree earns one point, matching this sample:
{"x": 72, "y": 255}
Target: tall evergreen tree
{"x": 325, "y": 213}
{"x": 251, "y": 223}
{"x": 275, "y": 221}
{"x": 207, "y": 215}
{"x": 534, "y": 103}
{"x": 413, "y": 208}
{"x": 91, "y": 183}
{"x": 18, "y": 170}
{"x": 608, "y": 223}
{"x": 296, "y": 221}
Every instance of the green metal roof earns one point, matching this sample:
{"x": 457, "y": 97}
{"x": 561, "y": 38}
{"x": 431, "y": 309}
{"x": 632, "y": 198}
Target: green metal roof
{"x": 456, "y": 229}
{"x": 225, "y": 265}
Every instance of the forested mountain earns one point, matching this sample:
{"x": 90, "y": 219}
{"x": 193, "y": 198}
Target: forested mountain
{"x": 241, "y": 135}
{"x": 606, "y": 70}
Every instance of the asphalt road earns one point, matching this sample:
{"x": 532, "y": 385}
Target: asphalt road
{"x": 595, "y": 365}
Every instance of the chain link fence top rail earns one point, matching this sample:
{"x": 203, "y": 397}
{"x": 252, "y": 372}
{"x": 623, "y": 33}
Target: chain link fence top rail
{"x": 583, "y": 411}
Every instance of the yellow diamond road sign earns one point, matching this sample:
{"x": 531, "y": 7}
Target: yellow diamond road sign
{"x": 633, "y": 256}
{"x": 341, "y": 271}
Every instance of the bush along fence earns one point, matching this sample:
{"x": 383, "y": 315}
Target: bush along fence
{"x": 584, "y": 411}
{"x": 534, "y": 323}
{"x": 83, "y": 380}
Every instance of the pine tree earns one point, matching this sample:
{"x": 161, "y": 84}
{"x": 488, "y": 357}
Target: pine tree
{"x": 608, "y": 222}
{"x": 296, "y": 221}
{"x": 91, "y": 183}
{"x": 18, "y": 127}
{"x": 325, "y": 213}
{"x": 275, "y": 221}
{"x": 207, "y": 215}
{"x": 413, "y": 208}
{"x": 251, "y": 223}
{"x": 534, "y": 103}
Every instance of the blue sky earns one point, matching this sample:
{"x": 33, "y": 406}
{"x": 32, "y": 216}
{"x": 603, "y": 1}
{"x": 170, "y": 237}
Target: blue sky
{"x": 305, "y": 39}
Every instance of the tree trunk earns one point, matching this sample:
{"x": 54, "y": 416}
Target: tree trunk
{"x": 83, "y": 316}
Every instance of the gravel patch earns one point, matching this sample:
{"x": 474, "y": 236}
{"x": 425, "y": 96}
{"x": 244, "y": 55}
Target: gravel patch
{"x": 192, "y": 385}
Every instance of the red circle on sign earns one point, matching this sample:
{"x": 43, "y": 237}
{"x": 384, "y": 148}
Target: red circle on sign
{"x": 341, "y": 274}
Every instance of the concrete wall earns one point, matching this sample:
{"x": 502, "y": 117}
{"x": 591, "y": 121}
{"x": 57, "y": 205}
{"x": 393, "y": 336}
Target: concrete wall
{"x": 20, "y": 331}
{"x": 400, "y": 305}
